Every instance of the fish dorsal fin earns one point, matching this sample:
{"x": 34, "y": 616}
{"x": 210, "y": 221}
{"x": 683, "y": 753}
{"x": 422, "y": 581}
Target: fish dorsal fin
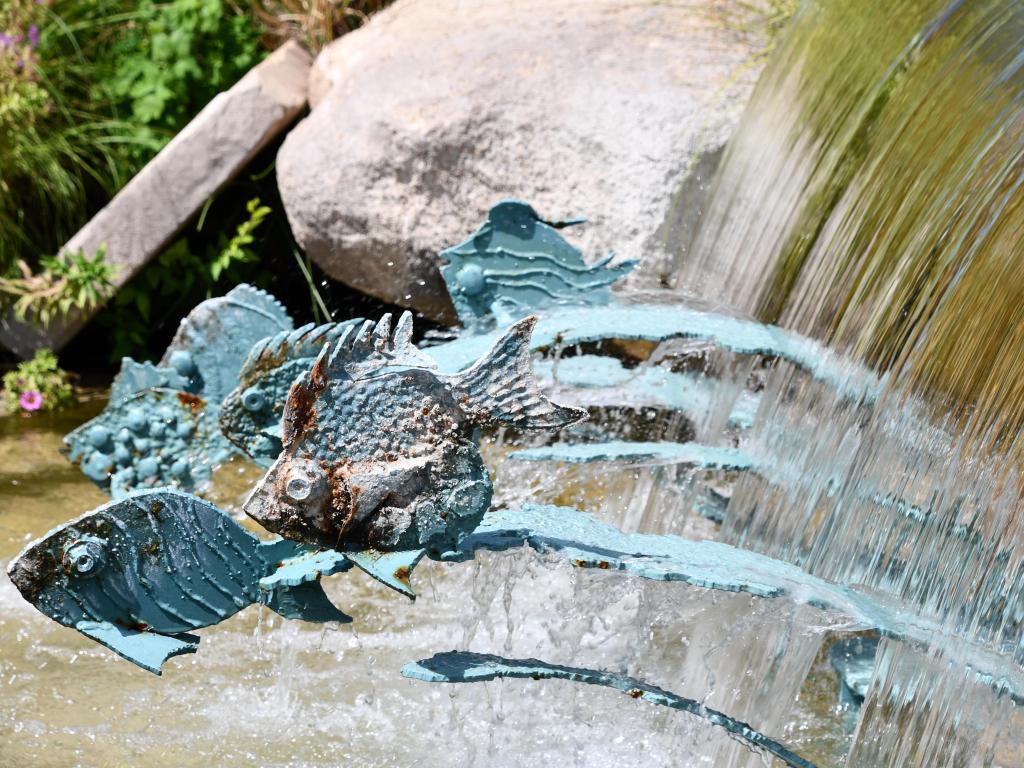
{"x": 361, "y": 352}
{"x": 500, "y": 388}
{"x": 304, "y": 342}
{"x": 258, "y": 299}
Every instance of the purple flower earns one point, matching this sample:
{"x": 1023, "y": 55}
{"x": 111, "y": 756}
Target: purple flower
{"x": 30, "y": 400}
{"x": 33, "y": 36}
{"x": 6, "y": 41}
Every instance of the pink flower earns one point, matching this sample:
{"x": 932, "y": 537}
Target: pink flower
{"x": 30, "y": 400}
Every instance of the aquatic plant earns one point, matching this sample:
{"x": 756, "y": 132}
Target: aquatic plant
{"x": 37, "y": 384}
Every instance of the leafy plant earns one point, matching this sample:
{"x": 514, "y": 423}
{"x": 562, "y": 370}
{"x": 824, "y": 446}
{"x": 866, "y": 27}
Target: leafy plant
{"x": 179, "y": 277}
{"x": 187, "y": 52}
{"x": 65, "y": 281}
{"x": 89, "y": 91}
{"x": 237, "y": 250}
{"x": 37, "y": 384}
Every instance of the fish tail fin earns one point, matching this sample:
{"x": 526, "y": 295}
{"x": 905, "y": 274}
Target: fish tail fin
{"x": 500, "y": 389}
{"x": 306, "y": 601}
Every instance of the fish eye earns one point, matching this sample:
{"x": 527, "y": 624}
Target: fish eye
{"x": 253, "y": 399}
{"x": 299, "y": 487}
{"x": 304, "y": 481}
{"x": 85, "y": 557}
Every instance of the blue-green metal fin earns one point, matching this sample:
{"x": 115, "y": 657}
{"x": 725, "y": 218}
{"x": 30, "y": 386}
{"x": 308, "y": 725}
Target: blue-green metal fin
{"x": 148, "y": 650}
{"x": 465, "y": 667}
{"x": 302, "y": 568}
{"x": 704, "y": 456}
{"x": 135, "y": 377}
{"x": 306, "y": 601}
{"x": 391, "y": 568}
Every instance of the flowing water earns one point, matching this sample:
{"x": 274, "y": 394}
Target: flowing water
{"x": 870, "y": 200}
{"x": 266, "y": 692}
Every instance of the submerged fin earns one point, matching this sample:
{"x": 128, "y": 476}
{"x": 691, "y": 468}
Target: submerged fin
{"x": 501, "y": 390}
{"x": 306, "y": 601}
{"x": 393, "y": 569}
{"x": 148, "y": 650}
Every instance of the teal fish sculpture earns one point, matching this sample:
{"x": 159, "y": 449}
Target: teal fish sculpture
{"x": 141, "y": 439}
{"x": 250, "y": 416}
{"x": 518, "y": 263}
{"x": 139, "y": 574}
{"x": 467, "y": 667}
{"x": 381, "y": 459}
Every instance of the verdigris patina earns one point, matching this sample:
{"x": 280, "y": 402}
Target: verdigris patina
{"x": 250, "y": 416}
{"x": 140, "y": 572}
{"x": 465, "y": 667}
{"x": 517, "y": 263}
{"x": 380, "y": 451}
{"x": 160, "y": 426}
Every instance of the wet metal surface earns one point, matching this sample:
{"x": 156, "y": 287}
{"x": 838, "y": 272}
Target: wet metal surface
{"x": 456, "y": 667}
{"x": 160, "y": 426}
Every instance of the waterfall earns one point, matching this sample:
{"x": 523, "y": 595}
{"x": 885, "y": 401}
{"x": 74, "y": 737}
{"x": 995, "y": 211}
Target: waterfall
{"x": 872, "y": 199}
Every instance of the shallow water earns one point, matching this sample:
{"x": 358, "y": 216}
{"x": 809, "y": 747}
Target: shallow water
{"x": 267, "y": 692}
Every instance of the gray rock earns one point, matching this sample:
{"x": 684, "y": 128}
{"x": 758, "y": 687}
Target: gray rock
{"x": 438, "y": 108}
{"x": 160, "y": 200}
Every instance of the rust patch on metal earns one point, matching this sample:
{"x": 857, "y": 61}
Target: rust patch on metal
{"x": 193, "y": 402}
{"x": 138, "y": 626}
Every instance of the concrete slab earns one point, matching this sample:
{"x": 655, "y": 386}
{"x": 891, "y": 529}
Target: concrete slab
{"x": 152, "y": 208}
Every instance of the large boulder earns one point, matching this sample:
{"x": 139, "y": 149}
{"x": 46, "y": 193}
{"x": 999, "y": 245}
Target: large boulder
{"x": 438, "y": 108}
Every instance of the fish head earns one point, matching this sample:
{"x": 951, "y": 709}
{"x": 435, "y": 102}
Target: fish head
{"x": 302, "y": 499}
{"x": 79, "y": 571}
{"x": 250, "y": 415}
{"x": 248, "y": 419}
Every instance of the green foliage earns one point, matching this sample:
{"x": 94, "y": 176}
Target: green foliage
{"x": 105, "y": 86}
{"x": 66, "y": 281}
{"x": 179, "y": 276}
{"x": 237, "y": 250}
{"x": 179, "y": 56}
{"x": 37, "y": 384}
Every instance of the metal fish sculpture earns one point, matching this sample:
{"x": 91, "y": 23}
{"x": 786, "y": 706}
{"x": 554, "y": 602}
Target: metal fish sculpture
{"x": 467, "y": 667}
{"x": 517, "y": 263}
{"x": 250, "y": 416}
{"x": 156, "y": 437}
{"x": 380, "y": 456}
{"x": 125, "y": 446}
{"x": 138, "y": 574}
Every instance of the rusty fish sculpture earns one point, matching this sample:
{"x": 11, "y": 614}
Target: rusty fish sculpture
{"x": 250, "y": 416}
{"x": 139, "y": 573}
{"x": 380, "y": 457}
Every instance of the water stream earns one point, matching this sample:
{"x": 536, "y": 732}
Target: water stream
{"x": 869, "y": 202}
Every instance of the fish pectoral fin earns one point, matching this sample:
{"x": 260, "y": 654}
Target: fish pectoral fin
{"x": 304, "y": 567}
{"x": 148, "y": 650}
{"x": 393, "y": 569}
{"x": 306, "y": 601}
